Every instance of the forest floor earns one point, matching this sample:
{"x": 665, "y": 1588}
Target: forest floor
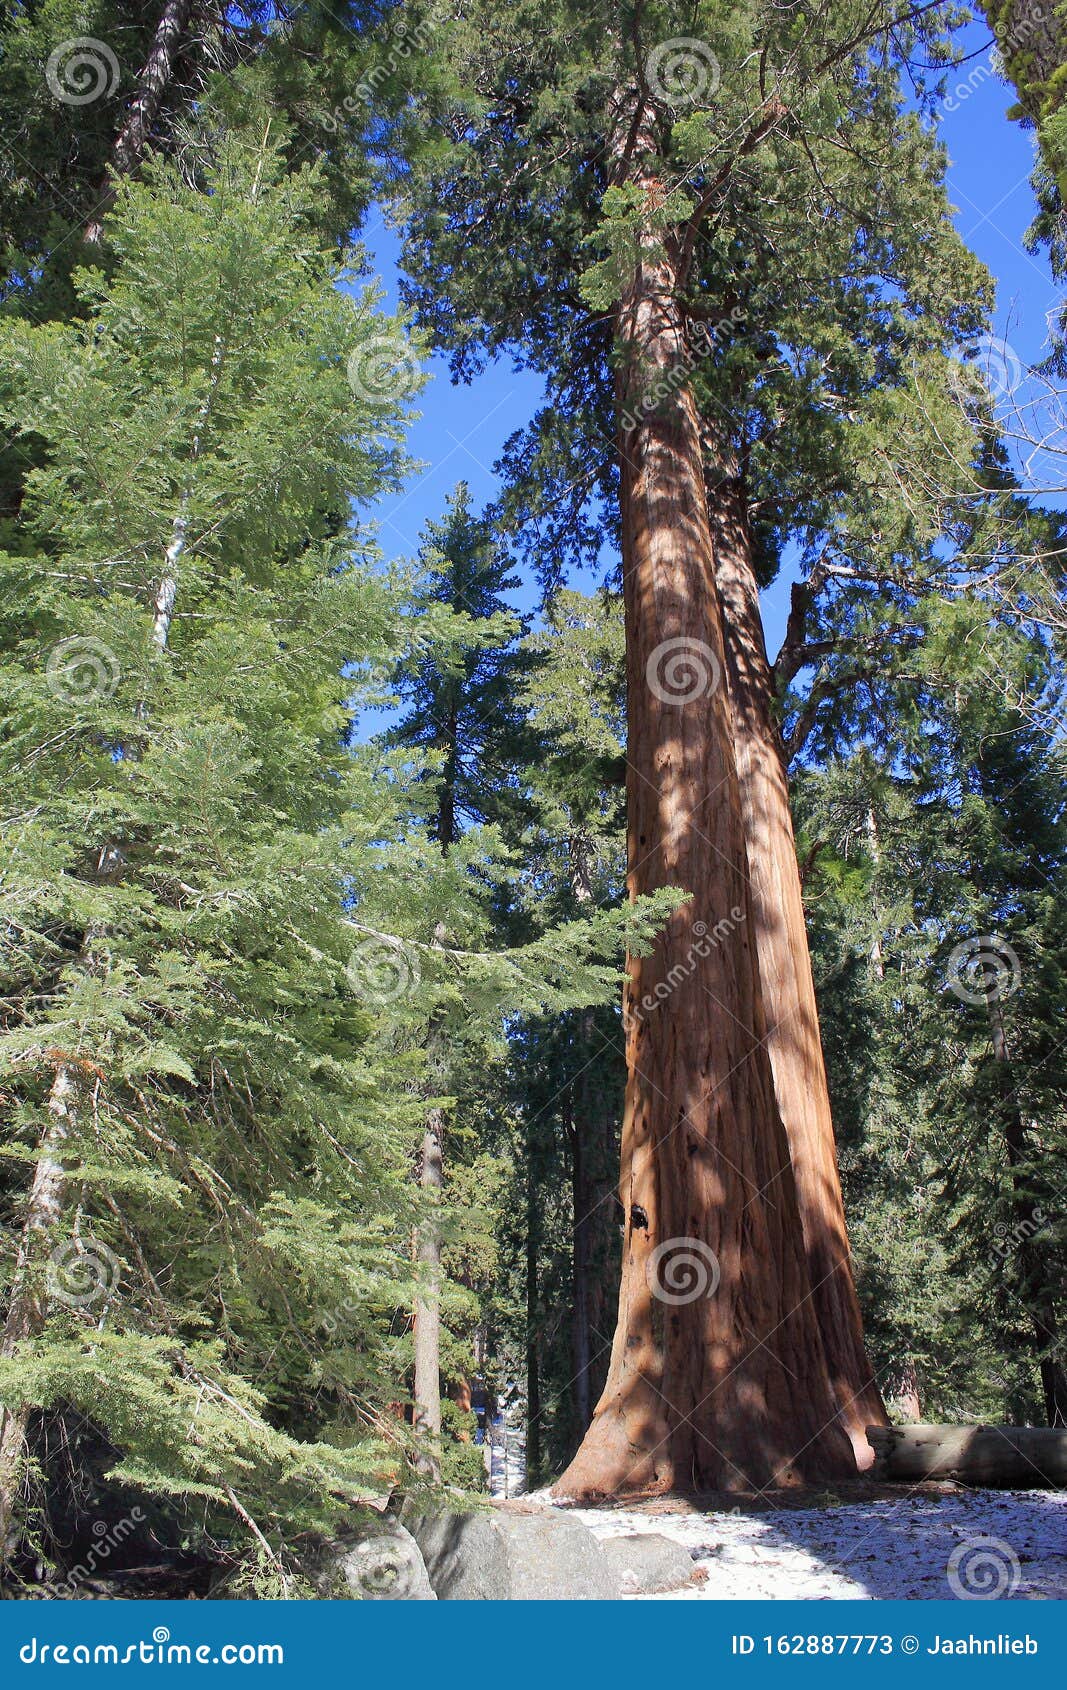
{"x": 885, "y": 1544}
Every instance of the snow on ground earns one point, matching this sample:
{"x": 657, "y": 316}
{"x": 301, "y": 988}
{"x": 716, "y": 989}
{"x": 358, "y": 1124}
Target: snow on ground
{"x": 962, "y": 1543}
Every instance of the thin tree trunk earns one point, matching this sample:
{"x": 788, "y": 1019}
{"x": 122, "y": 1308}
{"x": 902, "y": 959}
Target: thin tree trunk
{"x": 152, "y": 83}
{"x": 27, "y": 1307}
{"x": 581, "y": 1204}
{"x": 533, "y": 1325}
{"x": 427, "y": 1302}
{"x": 793, "y": 1041}
{"x": 583, "y": 1198}
{"x": 427, "y": 1313}
{"x": 902, "y": 1389}
{"x": 718, "y": 1378}
{"x": 877, "y": 957}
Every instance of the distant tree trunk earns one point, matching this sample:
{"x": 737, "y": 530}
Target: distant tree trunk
{"x": 793, "y": 1041}
{"x": 446, "y": 814}
{"x": 877, "y": 958}
{"x": 1035, "y": 1292}
{"x": 581, "y": 1208}
{"x": 593, "y": 1167}
{"x": 464, "y": 1400}
{"x": 533, "y": 1323}
{"x": 154, "y": 79}
{"x": 427, "y": 1384}
{"x": 902, "y": 1389}
{"x": 591, "y": 1126}
{"x": 428, "y": 1301}
{"x": 27, "y": 1307}
{"x": 726, "y": 1390}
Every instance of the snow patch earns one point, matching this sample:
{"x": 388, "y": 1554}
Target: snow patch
{"x": 885, "y": 1550}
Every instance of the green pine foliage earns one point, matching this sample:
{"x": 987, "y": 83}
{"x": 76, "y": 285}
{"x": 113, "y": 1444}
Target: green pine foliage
{"x": 185, "y": 832}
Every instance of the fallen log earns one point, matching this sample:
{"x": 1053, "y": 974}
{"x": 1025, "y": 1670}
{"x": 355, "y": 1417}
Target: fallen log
{"x": 1027, "y": 1457}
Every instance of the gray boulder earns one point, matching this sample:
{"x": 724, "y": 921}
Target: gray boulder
{"x": 383, "y": 1565}
{"x": 496, "y": 1556}
{"x": 646, "y": 1563}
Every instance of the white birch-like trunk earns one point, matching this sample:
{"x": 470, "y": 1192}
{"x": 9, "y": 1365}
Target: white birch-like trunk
{"x": 28, "y": 1303}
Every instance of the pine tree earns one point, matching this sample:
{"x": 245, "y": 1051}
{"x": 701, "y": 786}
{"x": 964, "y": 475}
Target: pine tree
{"x": 466, "y": 714}
{"x": 462, "y": 714}
{"x": 570, "y": 1072}
{"x": 938, "y": 895}
{"x": 204, "y": 1160}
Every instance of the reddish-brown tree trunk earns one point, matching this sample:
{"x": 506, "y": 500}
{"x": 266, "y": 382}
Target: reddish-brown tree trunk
{"x": 718, "y": 1378}
{"x": 793, "y": 1041}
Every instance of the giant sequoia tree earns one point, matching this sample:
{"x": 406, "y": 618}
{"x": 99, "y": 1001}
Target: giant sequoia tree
{"x": 603, "y": 209}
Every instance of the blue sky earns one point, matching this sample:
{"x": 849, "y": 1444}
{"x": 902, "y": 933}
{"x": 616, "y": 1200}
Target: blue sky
{"x": 461, "y": 430}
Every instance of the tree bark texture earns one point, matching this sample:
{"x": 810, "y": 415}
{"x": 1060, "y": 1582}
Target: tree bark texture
{"x": 28, "y": 1301}
{"x": 153, "y": 81}
{"x": 784, "y": 960}
{"x": 718, "y": 1378}
{"x": 977, "y": 1455}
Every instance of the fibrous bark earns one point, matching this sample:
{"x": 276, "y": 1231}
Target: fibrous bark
{"x": 153, "y": 80}
{"x": 718, "y": 1378}
{"x": 788, "y": 987}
